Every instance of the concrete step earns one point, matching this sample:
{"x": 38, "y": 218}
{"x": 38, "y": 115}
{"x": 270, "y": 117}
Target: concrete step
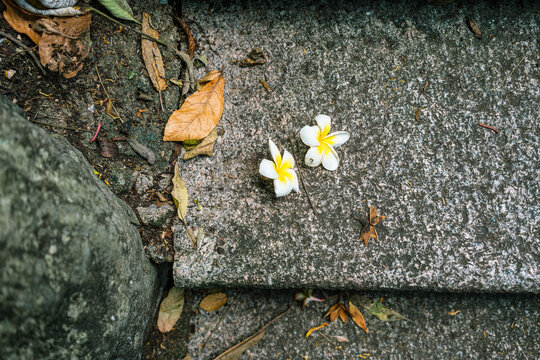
{"x": 411, "y": 84}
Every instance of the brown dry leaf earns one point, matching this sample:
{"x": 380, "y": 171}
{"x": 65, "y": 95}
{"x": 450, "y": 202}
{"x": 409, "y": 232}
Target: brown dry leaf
{"x": 368, "y": 231}
{"x": 454, "y": 313}
{"x": 107, "y": 148}
{"x": 110, "y": 111}
{"x": 205, "y": 147}
{"x": 255, "y": 57}
{"x": 170, "y": 309}
{"x": 21, "y": 21}
{"x": 180, "y": 195}
{"x": 199, "y": 114}
{"x": 152, "y": 55}
{"x": 61, "y": 52}
{"x": 265, "y": 85}
{"x": 417, "y": 114}
{"x": 357, "y": 317}
{"x": 365, "y": 234}
{"x": 213, "y": 301}
{"x": 473, "y": 26}
{"x": 343, "y": 314}
{"x": 337, "y": 310}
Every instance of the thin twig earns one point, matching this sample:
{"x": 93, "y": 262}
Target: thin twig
{"x": 336, "y": 346}
{"x": 489, "y": 127}
{"x": 222, "y": 355}
{"x": 219, "y": 322}
{"x": 59, "y": 126}
{"x": 304, "y": 184}
{"x": 511, "y": 72}
{"x": 27, "y": 49}
{"x": 108, "y": 96}
{"x": 189, "y": 37}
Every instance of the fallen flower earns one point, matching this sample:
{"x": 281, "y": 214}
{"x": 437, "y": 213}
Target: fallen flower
{"x": 280, "y": 170}
{"x": 322, "y": 143}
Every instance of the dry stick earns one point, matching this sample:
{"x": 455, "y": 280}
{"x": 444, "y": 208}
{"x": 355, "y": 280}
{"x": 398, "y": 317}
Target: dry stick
{"x": 190, "y": 40}
{"x": 254, "y": 335}
{"x": 511, "y": 72}
{"x": 304, "y": 185}
{"x": 108, "y": 96}
{"x": 59, "y": 126}
{"x": 27, "y": 49}
{"x": 219, "y": 321}
{"x": 489, "y": 127}
{"x": 336, "y": 346}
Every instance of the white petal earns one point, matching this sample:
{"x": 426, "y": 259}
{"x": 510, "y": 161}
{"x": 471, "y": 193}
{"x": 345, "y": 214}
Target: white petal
{"x": 324, "y": 124}
{"x": 268, "y": 169}
{"x": 294, "y": 181}
{"x": 274, "y": 151}
{"x": 310, "y": 135}
{"x": 330, "y": 160}
{"x": 282, "y": 188}
{"x": 288, "y": 160}
{"x": 337, "y": 138}
{"x": 314, "y": 156}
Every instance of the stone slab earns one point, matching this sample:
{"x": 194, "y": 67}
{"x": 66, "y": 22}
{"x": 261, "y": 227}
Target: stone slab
{"x": 487, "y": 326}
{"x": 461, "y": 201}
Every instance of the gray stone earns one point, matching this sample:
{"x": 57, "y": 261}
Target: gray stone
{"x": 155, "y": 216}
{"x": 143, "y": 183}
{"x": 462, "y": 203}
{"x": 487, "y": 326}
{"x": 158, "y": 253}
{"x": 74, "y": 283}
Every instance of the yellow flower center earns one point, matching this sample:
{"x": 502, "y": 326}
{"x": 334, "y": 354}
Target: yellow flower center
{"x": 281, "y": 169}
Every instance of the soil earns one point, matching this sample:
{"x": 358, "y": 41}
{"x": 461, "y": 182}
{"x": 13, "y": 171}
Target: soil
{"x": 73, "y": 108}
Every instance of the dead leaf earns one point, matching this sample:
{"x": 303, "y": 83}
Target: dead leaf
{"x": 453, "y": 313}
{"x": 199, "y": 114}
{"x": 152, "y": 55}
{"x": 315, "y": 328}
{"x": 107, "y": 148}
{"x": 213, "y": 301}
{"x": 21, "y": 21}
{"x": 357, "y": 317}
{"x": 368, "y": 231}
{"x": 265, "y": 85}
{"x": 473, "y": 26}
{"x": 337, "y": 310}
{"x": 170, "y": 309}
{"x": 417, "y": 114}
{"x": 180, "y": 194}
{"x": 205, "y": 147}
{"x": 340, "y": 338}
{"x": 62, "y": 53}
{"x": 110, "y": 110}
{"x": 255, "y": 57}
{"x": 381, "y": 312}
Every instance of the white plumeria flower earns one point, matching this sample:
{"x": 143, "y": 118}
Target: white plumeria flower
{"x": 280, "y": 170}
{"x": 322, "y": 143}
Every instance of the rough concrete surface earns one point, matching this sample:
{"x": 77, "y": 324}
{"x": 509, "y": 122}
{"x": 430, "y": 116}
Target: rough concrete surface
{"x": 487, "y": 326}
{"x": 461, "y": 201}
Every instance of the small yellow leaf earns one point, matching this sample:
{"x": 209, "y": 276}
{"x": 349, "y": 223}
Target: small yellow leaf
{"x": 170, "y": 309}
{"x": 453, "y": 313}
{"x": 316, "y": 328}
{"x": 213, "y": 301}
{"x": 110, "y": 110}
{"x": 199, "y": 114}
{"x": 179, "y": 194}
{"x": 205, "y": 147}
{"x": 357, "y": 317}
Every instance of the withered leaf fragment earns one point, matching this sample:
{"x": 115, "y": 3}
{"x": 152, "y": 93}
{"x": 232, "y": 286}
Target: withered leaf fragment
{"x": 152, "y": 56}
{"x": 180, "y": 194}
{"x": 337, "y": 310}
{"x": 255, "y": 57}
{"x": 142, "y": 150}
{"x": 109, "y": 109}
{"x": 205, "y": 147}
{"x": 310, "y": 331}
{"x": 213, "y": 302}
{"x": 200, "y": 113}
{"x": 357, "y": 317}
{"x": 368, "y": 231}
{"x": 170, "y": 309}
{"x": 381, "y": 312}
{"x": 107, "y": 148}
{"x": 473, "y": 26}
{"x": 21, "y": 21}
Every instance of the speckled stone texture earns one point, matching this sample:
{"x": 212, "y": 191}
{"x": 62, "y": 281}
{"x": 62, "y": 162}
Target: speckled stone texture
{"x": 462, "y": 202}
{"x": 487, "y": 326}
